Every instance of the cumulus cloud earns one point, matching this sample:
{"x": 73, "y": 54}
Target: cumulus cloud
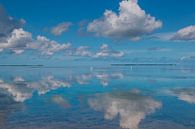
{"x": 105, "y": 51}
{"x": 131, "y": 22}
{"x": 16, "y": 41}
{"x": 60, "y": 28}
{"x": 20, "y": 40}
{"x": 48, "y": 47}
{"x": 185, "y": 34}
{"x": 161, "y": 36}
{"x": 132, "y": 107}
{"x": 8, "y": 23}
{"x": 83, "y": 51}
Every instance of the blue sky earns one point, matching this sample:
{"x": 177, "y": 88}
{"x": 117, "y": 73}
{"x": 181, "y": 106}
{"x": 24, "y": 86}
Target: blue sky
{"x": 157, "y": 39}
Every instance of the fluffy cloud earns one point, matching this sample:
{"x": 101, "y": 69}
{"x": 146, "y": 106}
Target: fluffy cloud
{"x": 7, "y": 23}
{"x": 48, "y": 47}
{"x": 103, "y": 52}
{"x": 185, "y": 34}
{"x": 131, "y": 22}
{"x": 19, "y": 41}
{"x": 16, "y": 40}
{"x": 83, "y": 51}
{"x": 131, "y": 107}
{"x": 106, "y": 52}
{"x": 60, "y": 28}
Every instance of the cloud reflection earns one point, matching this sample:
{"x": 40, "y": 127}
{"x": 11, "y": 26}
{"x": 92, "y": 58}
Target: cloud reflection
{"x": 59, "y": 100}
{"x": 20, "y": 89}
{"x": 132, "y": 107}
{"x": 187, "y": 95}
{"x": 7, "y": 107}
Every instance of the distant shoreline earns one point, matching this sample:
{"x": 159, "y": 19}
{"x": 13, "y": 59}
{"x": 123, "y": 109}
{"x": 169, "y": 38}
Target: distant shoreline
{"x": 22, "y": 65}
{"x": 143, "y": 64}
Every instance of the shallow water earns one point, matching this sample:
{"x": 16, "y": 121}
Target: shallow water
{"x": 130, "y": 97}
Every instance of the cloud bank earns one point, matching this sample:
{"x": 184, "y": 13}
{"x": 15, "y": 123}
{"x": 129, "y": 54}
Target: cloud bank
{"x": 131, "y": 22}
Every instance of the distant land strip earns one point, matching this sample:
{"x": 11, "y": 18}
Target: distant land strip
{"x": 143, "y": 64}
{"x": 22, "y": 65}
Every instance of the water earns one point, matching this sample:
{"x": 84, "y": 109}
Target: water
{"x": 129, "y": 97}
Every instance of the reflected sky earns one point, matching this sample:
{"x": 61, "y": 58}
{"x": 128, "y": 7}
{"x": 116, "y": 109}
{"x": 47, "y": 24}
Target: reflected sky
{"x": 97, "y": 97}
{"x": 185, "y": 94}
{"x": 131, "y": 107}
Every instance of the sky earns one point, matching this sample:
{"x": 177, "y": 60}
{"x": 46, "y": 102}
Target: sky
{"x": 96, "y": 31}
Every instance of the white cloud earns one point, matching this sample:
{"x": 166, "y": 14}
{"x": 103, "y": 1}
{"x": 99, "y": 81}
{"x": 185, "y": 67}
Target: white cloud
{"x": 161, "y": 36}
{"x": 132, "y": 107}
{"x": 103, "y": 52}
{"x": 185, "y": 34}
{"x": 20, "y": 40}
{"x": 83, "y": 51}
{"x": 7, "y": 23}
{"x": 48, "y": 47}
{"x": 132, "y": 22}
{"x": 60, "y": 28}
{"x": 106, "y": 52}
{"x": 17, "y": 41}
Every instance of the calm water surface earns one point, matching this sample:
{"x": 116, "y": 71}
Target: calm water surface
{"x": 135, "y": 97}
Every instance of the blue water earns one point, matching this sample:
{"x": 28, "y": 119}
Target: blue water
{"x": 137, "y": 97}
